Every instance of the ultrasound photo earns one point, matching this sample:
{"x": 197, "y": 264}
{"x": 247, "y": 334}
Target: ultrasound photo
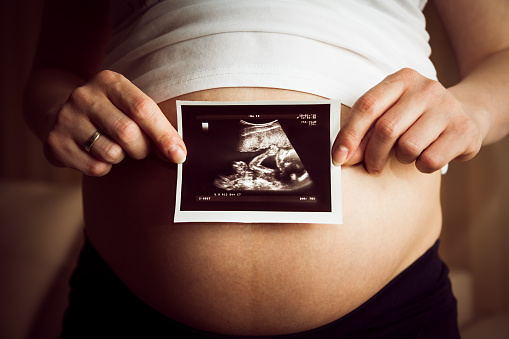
{"x": 258, "y": 162}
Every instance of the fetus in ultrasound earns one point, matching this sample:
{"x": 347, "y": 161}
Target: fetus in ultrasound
{"x": 274, "y": 166}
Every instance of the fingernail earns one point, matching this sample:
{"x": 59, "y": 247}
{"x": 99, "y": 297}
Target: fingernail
{"x": 341, "y": 154}
{"x": 177, "y": 154}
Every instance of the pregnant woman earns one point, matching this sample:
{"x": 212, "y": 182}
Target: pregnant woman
{"x": 102, "y": 99}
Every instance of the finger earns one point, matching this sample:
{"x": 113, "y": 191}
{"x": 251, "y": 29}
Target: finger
{"x": 120, "y": 128}
{"x": 62, "y": 151}
{"x": 88, "y": 164}
{"x": 365, "y": 112}
{"x": 425, "y": 131}
{"x": 147, "y": 114}
{"x": 88, "y": 109}
{"x": 438, "y": 154}
{"x": 358, "y": 155}
{"x": 107, "y": 150}
{"x": 461, "y": 142}
{"x": 388, "y": 130}
{"x": 65, "y": 143}
{"x": 102, "y": 147}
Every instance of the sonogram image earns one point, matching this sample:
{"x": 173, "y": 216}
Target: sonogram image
{"x": 256, "y": 157}
{"x": 274, "y": 166}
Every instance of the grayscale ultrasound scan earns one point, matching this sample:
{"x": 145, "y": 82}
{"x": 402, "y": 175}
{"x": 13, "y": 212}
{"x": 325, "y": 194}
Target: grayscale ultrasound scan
{"x": 257, "y": 157}
{"x": 277, "y": 168}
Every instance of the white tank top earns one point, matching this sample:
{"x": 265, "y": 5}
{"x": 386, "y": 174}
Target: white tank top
{"x": 337, "y": 49}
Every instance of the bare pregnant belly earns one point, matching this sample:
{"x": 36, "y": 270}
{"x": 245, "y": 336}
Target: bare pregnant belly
{"x": 259, "y": 279}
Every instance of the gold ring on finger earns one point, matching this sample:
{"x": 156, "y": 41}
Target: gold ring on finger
{"x": 92, "y": 140}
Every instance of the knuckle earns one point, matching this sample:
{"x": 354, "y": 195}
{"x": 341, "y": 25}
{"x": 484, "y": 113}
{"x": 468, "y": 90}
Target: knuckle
{"x": 58, "y": 152}
{"x": 387, "y": 129}
{"x": 67, "y": 117}
{"x": 469, "y": 132}
{"x": 404, "y": 77}
{"x": 107, "y": 77}
{"x": 80, "y": 96}
{"x": 143, "y": 109}
{"x": 408, "y": 147}
{"x": 127, "y": 130}
{"x": 82, "y": 100}
{"x": 406, "y": 74}
{"x": 53, "y": 139}
{"x": 366, "y": 104}
{"x": 347, "y": 135}
{"x": 50, "y": 154}
{"x": 472, "y": 149}
{"x": 471, "y": 126}
{"x": 56, "y": 145}
{"x": 432, "y": 87}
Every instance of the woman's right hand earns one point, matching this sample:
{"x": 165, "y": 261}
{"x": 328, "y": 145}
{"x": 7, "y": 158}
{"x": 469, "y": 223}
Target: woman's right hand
{"x": 128, "y": 120}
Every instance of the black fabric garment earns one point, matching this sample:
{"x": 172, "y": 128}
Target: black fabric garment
{"x": 418, "y": 303}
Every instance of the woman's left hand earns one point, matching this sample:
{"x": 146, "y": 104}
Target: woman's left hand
{"x": 416, "y": 117}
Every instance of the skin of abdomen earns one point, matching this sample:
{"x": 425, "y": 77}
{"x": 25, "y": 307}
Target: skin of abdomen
{"x": 259, "y": 279}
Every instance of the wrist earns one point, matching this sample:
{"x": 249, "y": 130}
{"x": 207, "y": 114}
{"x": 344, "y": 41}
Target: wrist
{"x": 475, "y": 109}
